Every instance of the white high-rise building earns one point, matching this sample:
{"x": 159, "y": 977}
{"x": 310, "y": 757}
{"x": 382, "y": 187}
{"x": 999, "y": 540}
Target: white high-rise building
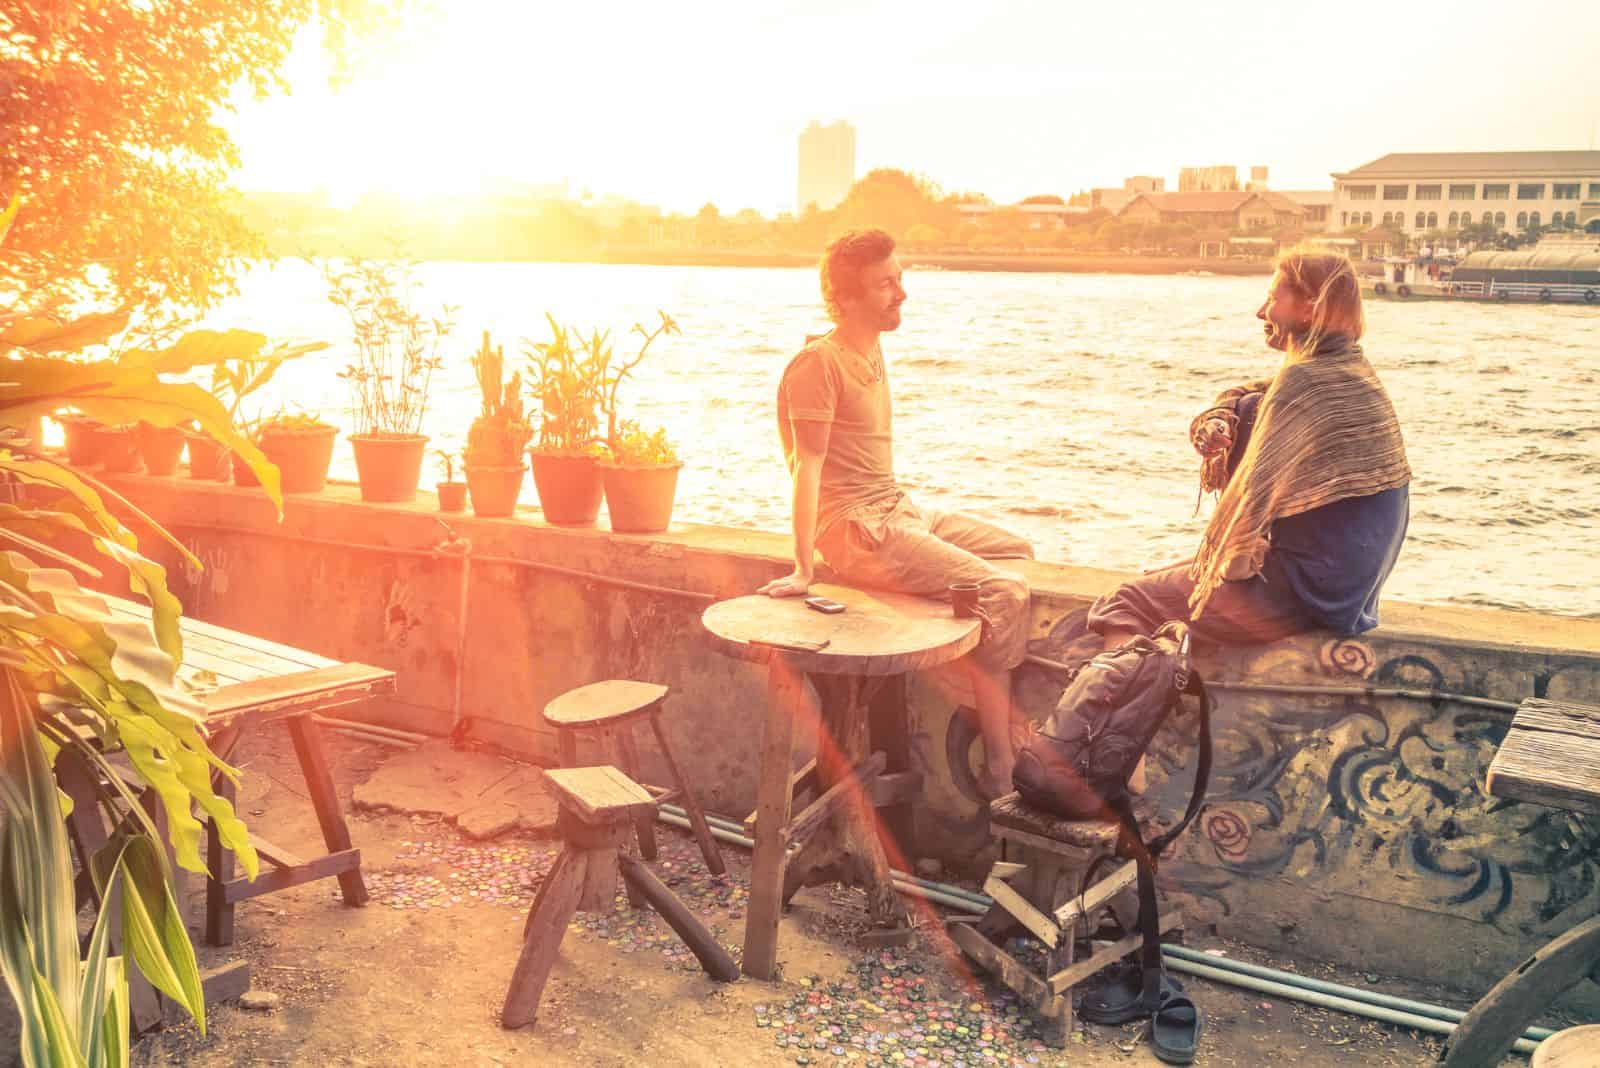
{"x": 827, "y": 165}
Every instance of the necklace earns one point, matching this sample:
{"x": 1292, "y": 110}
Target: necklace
{"x": 873, "y": 360}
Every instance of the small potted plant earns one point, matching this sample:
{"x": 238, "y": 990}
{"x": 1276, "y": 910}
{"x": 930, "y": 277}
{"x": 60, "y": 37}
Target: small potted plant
{"x": 641, "y": 477}
{"x": 497, "y": 437}
{"x": 452, "y": 494}
{"x": 82, "y": 438}
{"x": 396, "y": 356}
{"x": 118, "y": 449}
{"x": 233, "y": 380}
{"x": 300, "y": 446}
{"x": 161, "y": 447}
{"x": 569, "y": 381}
{"x": 641, "y": 469}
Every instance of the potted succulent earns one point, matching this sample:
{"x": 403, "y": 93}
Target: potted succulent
{"x": 497, "y": 437}
{"x": 161, "y": 447}
{"x": 641, "y": 478}
{"x": 300, "y": 446}
{"x": 452, "y": 494}
{"x": 396, "y": 355}
{"x": 569, "y": 381}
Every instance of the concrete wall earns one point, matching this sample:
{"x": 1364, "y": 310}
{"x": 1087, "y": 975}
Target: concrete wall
{"x": 1337, "y": 827}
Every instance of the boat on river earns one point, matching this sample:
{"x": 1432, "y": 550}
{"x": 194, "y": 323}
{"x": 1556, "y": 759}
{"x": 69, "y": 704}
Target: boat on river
{"x": 1544, "y": 274}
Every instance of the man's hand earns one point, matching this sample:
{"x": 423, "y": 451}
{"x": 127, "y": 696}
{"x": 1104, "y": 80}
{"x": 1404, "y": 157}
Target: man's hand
{"x": 1213, "y": 436}
{"x": 794, "y": 584}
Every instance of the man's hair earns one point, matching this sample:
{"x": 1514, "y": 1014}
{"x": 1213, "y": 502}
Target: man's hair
{"x": 843, "y": 262}
{"x": 1327, "y": 281}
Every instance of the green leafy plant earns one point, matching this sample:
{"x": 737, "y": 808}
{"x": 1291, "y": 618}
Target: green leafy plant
{"x": 288, "y": 423}
{"x": 77, "y": 683}
{"x": 501, "y": 432}
{"x": 569, "y": 382}
{"x": 396, "y": 348}
{"x": 613, "y": 382}
{"x": 635, "y": 447}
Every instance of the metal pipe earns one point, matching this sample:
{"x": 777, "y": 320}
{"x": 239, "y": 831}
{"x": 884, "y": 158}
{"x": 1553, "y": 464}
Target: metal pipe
{"x": 1420, "y": 1008}
{"x": 1322, "y": 691}
{"x": 410, "y": 737}
{"x": 1326, "y": 1001}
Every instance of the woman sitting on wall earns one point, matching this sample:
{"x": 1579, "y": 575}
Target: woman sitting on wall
{"x": 1313, "y": 483}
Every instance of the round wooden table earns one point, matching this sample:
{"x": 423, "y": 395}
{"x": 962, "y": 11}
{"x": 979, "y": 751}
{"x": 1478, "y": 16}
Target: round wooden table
{"x": 856, "y": 661}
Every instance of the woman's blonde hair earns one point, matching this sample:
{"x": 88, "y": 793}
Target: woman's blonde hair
{"x": 1327, "y": 281}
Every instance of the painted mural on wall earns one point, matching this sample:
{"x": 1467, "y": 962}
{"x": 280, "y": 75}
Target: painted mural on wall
{"x": 1378, "y": 798}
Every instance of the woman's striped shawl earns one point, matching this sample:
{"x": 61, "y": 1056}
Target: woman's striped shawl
{"x": 1326, "y": 431}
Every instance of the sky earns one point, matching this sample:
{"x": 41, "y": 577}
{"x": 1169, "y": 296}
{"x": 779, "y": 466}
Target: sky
{"x": 700, "y": 101}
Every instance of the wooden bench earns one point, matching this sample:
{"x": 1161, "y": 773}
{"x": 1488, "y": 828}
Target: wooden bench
{"x": 598, "y": 806}
{"x": 1037, "y": 888}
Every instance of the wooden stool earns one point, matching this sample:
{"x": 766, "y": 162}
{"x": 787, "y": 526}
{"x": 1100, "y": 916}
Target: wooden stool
{"x": 597, "y": 807}
{"x": 610, "y": 710}
{"x": 1035, "y": 887}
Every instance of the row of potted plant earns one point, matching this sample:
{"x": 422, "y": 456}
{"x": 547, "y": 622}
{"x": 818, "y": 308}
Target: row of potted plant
{"x": 575, "y": 380}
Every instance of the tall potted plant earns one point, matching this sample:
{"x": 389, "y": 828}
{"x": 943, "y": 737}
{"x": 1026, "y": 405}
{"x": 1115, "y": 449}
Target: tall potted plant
{"x": 569, "y": 374}
{"x": 497, "y": 437}
{"x": 641, "y": 468}
{"x": 396, "y": 353}
{"x": 300, "y": 445}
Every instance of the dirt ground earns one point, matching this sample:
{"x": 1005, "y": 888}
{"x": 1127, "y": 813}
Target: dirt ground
{"x": 417, "y": 976}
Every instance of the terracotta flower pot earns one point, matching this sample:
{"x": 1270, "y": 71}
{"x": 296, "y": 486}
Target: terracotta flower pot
{"x": 570, "y": 487}
{"x": 494, "y": 490}
{"x": 453, "y": 496}
{"x": 208, "y": 458}
{"x": 161, "y": 447}
{"x": 242, "y": 474}
{"x": 639, "y": 499}
{"x": 119, "y": 451}
{"x": 389, "y": 465}
{"x": 83, "y": 443}
{"x": 302, "y": 456}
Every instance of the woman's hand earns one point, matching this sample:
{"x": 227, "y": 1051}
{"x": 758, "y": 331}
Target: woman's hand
{"x": 1213, "y": 436}
{"x": 794, "y": 584}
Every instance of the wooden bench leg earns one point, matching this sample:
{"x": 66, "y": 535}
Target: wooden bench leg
{"x": 713, "y": 958}
{"x": 786, "y": 702}
{"x": 219, "y": 864}
{"x": 546, "y": 924}
{"x": 567, "y": 747}
{"x": 644, "y": 822}
{"x": 691, "y": 803}
{"x": 325, "y": 799}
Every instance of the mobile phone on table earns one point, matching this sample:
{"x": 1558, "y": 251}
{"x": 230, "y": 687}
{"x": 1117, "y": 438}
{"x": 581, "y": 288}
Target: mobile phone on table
{"x": 823, "y": 604}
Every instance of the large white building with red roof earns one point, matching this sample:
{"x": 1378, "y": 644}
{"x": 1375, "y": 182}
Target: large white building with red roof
{"x": 1417, "y": 192}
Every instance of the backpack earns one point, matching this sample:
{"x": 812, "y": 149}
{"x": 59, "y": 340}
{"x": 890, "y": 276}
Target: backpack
{"x": 1079, "y": 763}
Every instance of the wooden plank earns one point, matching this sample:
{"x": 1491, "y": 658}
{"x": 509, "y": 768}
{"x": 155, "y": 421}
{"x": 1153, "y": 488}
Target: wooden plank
{"x": 275, "y": 855}
{"x": 1049, "y": 846}
{"x": 1006, "y": 869}
{"x": 1077, "y": 973}
{"x": 787, "y": 702}
{"x": 1001, "y": 964}
{"x": 691, "y": 803}
{"x": 803, "y": 826}
{"x": 599, "y": 792}
{"x": 802, "y": 780}
{"x": 224, "y": 983}
{"x": 261, "y": 700}
{"x": 227, "y": 672}
{"x": 219, "y": 866}
{"x": 1011, "y": 813}
{"x": 1558, "y": 770}
{"x": 894, "y": 789}
{"x": 270, "y": 882}
{"x": 1043, "y": 928}
{"x": 1084, "y": 904}
{"x": 304, "y": 657}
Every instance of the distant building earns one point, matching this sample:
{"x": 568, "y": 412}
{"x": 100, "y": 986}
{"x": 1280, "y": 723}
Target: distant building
{"x": 1317, "y": 204}
{"x": 1144, "y": 183}
{"x": 1215, "y": 210}
{"x": 1208, "y": 180}
{"x": 827, "y": 165}
{"x": 1258, "y": 180}
{"x": 1113, "y": 200}
{"x": 1040, "y": 213}
{"x": 1415, "y": 192}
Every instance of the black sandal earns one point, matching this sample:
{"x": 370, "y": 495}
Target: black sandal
{"x": 1121, "y": 999}
{"x": 1175, "y": 1029}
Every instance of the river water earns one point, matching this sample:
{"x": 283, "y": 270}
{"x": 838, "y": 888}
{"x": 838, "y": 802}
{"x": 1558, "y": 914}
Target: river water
{"x": 1055, "y": 404}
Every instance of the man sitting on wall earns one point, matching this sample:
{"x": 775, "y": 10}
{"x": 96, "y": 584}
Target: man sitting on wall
{"x": 1313, "y": 482}
{"x": 834, "y": 420}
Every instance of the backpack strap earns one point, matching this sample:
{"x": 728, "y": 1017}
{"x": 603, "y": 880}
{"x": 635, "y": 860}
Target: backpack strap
{"x": 1202, "y": 773}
